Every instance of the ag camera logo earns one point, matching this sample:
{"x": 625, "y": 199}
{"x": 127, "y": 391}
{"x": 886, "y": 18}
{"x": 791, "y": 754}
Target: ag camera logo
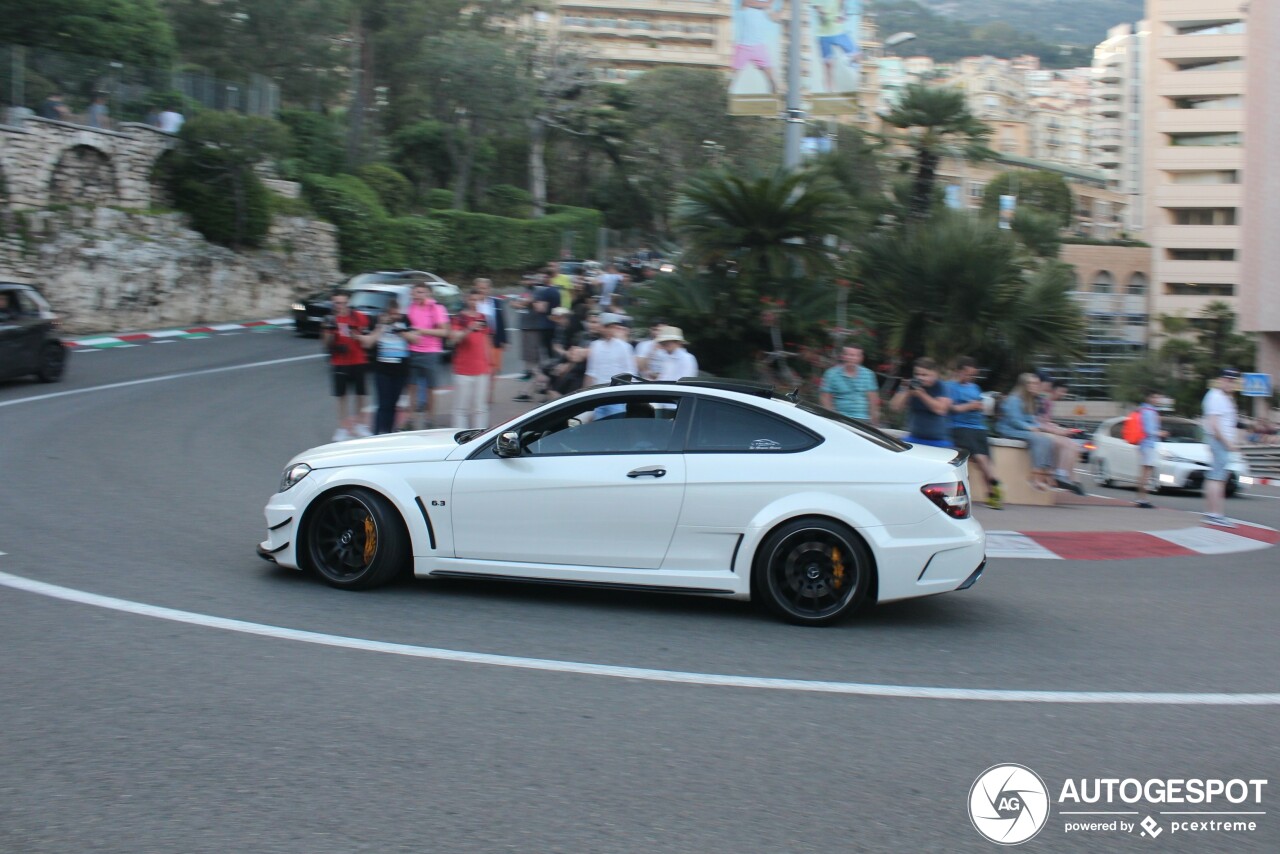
{"x": 1009, "y": 804}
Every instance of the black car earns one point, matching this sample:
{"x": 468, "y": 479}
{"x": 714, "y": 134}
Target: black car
{"x": 310, "y": 313}
{"x": 29, "y": 341}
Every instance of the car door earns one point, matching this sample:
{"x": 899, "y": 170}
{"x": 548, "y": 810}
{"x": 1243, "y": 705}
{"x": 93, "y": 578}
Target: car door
{"x": 597, "y": 485}
{"x": 22, "y": 334}
{"x": 1122, "y": 457}
{"x": 740, "y": 458}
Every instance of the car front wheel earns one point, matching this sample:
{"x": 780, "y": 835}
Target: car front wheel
{"x": 812, "y": 572}
{"x": 355, "y": 539}
{"x": 53, "y": 362}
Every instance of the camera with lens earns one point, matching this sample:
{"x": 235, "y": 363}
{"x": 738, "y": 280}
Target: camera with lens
{"x": 915, "y": 383}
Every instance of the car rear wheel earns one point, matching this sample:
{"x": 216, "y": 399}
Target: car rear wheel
{"x": 1102, "y": 473}
{"x": 53, "y": 362}
{"x": 355, "y": 539}
{"x": 812, "y": 572}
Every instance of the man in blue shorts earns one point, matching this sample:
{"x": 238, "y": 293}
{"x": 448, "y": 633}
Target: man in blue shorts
{"x": 969, "y": 425}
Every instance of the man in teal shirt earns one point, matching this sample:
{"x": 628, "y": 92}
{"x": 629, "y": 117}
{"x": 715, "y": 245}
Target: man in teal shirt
{"x": 851, "y": 389}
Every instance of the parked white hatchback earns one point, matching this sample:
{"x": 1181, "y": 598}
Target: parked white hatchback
{"x": 691, "y": 487}
{"x": 1182, "y": 457}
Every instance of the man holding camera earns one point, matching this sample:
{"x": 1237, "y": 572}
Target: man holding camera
{"x": 925, "y": 399}
{"x": 341, "y": 337}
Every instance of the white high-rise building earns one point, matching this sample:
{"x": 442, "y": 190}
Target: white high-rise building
{"x": 1116, "y": 144}
{"x": 1194, "y": 116}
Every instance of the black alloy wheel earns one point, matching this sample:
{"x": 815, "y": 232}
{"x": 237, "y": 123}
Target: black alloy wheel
{"x": 355, "y": 539}
{"x": 1101, "y": 473}
{"x": 812, "y": 572}
{"x": 53, "y": 362}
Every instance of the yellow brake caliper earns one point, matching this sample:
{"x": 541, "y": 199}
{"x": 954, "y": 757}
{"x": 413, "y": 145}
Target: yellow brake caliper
{"x": 837, "y": 567}
{"x": 370, "y": 539}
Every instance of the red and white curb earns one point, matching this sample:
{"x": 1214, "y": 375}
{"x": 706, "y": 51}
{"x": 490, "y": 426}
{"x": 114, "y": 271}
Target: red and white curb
{"x": 167, "y": 336}
{"x": 1130, "y": 545}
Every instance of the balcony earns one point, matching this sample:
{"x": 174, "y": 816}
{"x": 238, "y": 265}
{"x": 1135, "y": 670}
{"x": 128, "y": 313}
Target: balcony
{"x": 1197, "y": 47}
{"x": 1203, "y": 121}
{"x": 1195, "y": 236}
{"x": 1190, "y": 157}
{"x": 1189, "y": 83}
{"x": 1168, "y": 195}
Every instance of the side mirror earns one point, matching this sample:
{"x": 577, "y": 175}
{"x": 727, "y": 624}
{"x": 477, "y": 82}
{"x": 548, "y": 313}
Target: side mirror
{"x": 508, "y": 444}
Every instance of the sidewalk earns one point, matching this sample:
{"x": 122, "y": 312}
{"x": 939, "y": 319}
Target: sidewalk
{"x": 1097, "y": 528}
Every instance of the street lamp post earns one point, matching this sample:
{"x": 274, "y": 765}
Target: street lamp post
{"x": 794, "y": 112}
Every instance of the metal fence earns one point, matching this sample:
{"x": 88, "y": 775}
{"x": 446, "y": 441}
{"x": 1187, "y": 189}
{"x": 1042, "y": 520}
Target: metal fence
{"x": 28, "y": 75}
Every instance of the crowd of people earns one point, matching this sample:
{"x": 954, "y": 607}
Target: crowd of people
{"x": 98, "y": 113}
{"x": 573, "y": 333}
{"x": 952, "y": 413}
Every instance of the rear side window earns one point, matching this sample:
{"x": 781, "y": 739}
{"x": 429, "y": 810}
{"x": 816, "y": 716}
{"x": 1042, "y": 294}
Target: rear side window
{"x": 719, "y": 426}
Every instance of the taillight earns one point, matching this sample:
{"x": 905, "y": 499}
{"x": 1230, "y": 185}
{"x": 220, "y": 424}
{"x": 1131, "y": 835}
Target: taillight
{"x": 951, "y": 498}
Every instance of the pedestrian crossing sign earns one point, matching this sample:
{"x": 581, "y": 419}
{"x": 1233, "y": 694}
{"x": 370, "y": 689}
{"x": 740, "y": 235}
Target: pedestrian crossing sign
{"x": 1255, "y": 385}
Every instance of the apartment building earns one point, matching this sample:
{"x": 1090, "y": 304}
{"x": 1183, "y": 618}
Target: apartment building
{"x": 632, "y": 37}
{"x": 1260, "y": 265}
{"x": 1118, "y": 68}
{"x": 1194, "y": 120}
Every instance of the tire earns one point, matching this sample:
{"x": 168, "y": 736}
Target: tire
{"x": 354, "y": 539}
{"x": 53, "y": 362}
{"x": 1101, "y": 474}
{"x": 1232, "y": 487}
{"x": 812, "y": 572}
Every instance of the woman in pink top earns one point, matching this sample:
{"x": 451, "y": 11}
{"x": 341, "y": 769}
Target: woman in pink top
{"x": 431, "y": 321}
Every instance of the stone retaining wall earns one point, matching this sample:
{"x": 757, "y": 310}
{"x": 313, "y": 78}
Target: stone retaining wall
{"x": 108, "y": 270}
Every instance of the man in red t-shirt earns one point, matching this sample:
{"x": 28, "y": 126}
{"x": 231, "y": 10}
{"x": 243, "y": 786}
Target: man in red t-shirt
{"x": 349, "y": 363}
{"x": 472, "y": 339}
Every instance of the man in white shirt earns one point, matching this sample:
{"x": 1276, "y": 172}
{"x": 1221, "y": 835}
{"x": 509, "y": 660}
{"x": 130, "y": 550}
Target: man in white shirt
{"x": 1219, "y": 422}
{"x": 649, "y": 355}
{"x": 171, "y": 120}
{"x": 608, "y": 356}
{"x": 679, "y": 362}
{"x": 611, "y": 354}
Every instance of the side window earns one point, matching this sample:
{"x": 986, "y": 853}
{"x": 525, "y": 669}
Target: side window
{"x": 23, "y": 305}
{"x": 722, "y": 426}
{"x": 1117, "y": 429}
{"x": 625, "y": 424}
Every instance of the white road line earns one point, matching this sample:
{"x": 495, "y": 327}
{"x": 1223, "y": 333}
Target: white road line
{"x": 160, "y": 379}
{"x": 638, "y": 673}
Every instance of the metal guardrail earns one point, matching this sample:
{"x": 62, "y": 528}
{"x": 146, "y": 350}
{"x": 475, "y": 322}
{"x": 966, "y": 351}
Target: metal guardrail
{"x": 1264, "y": 461}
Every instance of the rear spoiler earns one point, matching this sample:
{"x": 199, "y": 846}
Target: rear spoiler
{"x": 960, "y": 458}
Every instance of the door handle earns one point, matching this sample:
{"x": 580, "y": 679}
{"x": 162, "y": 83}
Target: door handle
{"x": 649, "y": 471}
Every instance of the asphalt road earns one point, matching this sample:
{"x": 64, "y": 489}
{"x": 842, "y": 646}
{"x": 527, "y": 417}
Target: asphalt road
{"x": 127, "y": 732}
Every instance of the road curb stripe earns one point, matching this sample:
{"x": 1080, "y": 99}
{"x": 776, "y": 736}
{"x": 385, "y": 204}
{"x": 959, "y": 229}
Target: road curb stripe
{"x": 642, "y": 674}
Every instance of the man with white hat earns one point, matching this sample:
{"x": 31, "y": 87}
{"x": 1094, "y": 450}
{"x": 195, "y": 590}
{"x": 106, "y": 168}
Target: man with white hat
{"x": 679, "y": 362}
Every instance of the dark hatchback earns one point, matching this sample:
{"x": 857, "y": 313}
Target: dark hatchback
{"x": 30, "y": 343}
{"x": 310, "y": 313}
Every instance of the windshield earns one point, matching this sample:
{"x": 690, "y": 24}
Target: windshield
{"x": 370, "y": 302}
{"x": 1181, "y": 432}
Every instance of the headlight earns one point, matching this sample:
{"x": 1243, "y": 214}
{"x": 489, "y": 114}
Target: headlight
{"x": 297, "y": 306}
{"x": 292, "y": 475}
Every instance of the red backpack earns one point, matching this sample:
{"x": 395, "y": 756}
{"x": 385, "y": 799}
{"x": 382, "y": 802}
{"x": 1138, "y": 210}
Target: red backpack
{"x": 1133, "y": 432}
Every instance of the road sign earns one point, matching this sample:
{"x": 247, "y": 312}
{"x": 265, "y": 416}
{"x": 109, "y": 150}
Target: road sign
{"x": 1255, "y": 385}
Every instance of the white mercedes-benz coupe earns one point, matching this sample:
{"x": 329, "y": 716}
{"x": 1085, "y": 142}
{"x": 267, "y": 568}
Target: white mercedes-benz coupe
{"x": 699, "y": 487}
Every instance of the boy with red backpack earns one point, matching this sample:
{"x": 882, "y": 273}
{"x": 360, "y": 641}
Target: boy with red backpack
{"x": 1142, "y": 428}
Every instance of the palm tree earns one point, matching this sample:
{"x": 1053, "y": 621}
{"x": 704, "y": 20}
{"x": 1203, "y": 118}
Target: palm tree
{"x": 957, "y": 285}
{"x": 936, "y": 122}
{"x": 769, "y": 228}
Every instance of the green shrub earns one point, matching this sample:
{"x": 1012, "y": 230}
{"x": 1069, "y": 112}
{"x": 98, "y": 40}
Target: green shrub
{"x": 448, "y": 242}
{"x": 440, "y": 199}
{"x": 419, "y": 242}
{"x": 315, "y": 144}
{"x": 393, "y": 189}
{"x": 206, "y": 189}
{"x": 354, "y": 208}
{"x": 508, "y": 200}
